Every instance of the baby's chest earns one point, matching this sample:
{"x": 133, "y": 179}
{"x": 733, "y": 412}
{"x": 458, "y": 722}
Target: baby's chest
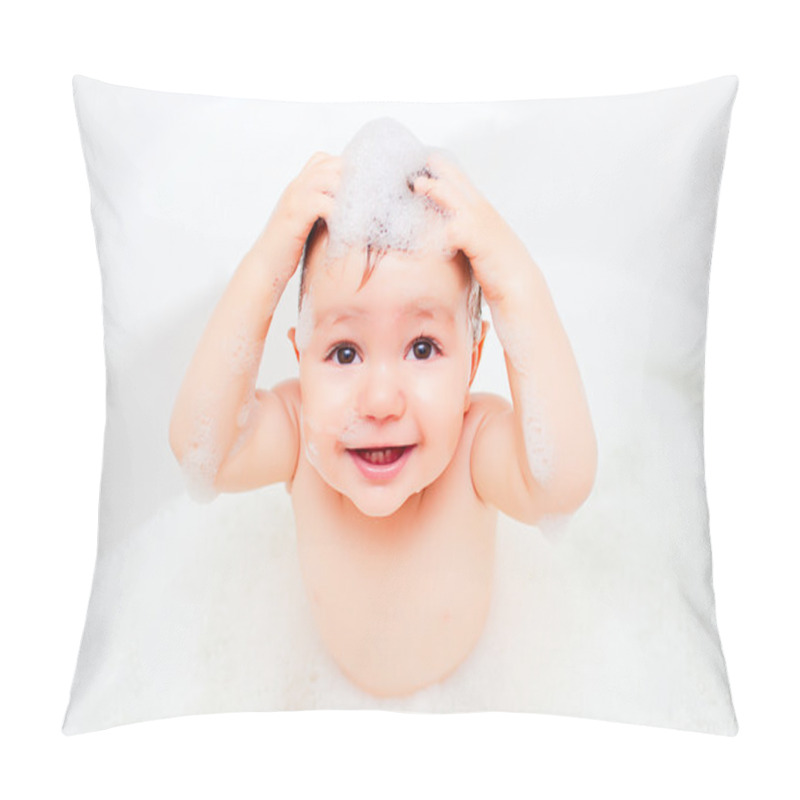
{"x": 445, "y": 549}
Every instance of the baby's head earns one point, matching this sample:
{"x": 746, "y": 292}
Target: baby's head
{"x": 318, "y": 239}
{"x": 388, "y": 340}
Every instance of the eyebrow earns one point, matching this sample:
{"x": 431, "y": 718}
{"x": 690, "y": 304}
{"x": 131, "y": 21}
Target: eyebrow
{"x": 418, "y": 309}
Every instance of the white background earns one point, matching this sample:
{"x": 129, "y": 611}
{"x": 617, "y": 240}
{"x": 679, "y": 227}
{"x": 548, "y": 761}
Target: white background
{"x": 53, "y": 391}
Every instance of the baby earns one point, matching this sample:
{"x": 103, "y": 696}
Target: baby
{"x": 395, "y": 469}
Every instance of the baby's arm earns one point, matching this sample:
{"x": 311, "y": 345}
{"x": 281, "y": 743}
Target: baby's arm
{"x": 538, "y": 456}
{"x": 226, "y": 435}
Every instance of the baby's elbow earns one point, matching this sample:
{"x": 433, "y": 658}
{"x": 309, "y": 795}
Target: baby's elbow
{"x": 579, "y": 492}
{"x": 575, "y": 486}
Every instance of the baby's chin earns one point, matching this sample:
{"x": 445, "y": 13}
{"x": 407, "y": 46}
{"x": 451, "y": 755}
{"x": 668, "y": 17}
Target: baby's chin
{"x": 377, "y": 504}
{"x": 374, "y": 502}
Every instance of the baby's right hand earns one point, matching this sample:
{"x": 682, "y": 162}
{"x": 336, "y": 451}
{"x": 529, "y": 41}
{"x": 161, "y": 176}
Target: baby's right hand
{"x": 309, "y": 196}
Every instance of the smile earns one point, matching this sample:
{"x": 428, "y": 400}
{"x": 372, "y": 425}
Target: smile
{"x": 381, "y": 463}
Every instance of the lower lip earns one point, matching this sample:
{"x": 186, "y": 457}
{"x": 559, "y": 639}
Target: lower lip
{"x": 381, "y": 472}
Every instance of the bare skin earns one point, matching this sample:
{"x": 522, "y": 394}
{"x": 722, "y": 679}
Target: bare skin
{"x": 397, "y": 555}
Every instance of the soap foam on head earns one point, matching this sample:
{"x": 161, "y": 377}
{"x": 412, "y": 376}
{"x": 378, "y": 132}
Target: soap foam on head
{"x": 375, "y": 205}
{"x": 376, "y": 209}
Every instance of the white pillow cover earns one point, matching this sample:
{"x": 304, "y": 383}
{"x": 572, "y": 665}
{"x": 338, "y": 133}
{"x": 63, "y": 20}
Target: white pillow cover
{"x": 199, "y": 608}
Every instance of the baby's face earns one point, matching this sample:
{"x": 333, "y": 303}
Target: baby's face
{"x": 385, "y": 372}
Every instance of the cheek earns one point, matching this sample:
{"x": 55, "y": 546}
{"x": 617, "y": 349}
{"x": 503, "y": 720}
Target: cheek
{"x": 447, "y": 381}
{"x": 327, "y": 405}
{"x": 440, "y": 396}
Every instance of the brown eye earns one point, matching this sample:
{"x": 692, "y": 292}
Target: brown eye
{"x": 345, "y": 355}
{"x": 423, "y": 349}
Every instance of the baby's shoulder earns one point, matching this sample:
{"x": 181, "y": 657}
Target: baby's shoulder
{"x": 482, "y": 405}
{"x": 289, "y": 393}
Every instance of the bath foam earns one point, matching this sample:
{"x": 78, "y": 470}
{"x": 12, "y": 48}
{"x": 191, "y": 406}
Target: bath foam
{"x": 375, "y": 205}
{"x": 351, "y": 433}
{"x": 203, "y": 457}
{"x": 312, "y": 454}
{"x": 246, "y": 418}
{"x": 201, "y": 461}
{"x": 554, "y": 526}
{"x": 310, "y": 449}
{"x": 538, "y": 447}
{"x": 243, "y": 352}
{"x": 354, "y": 429}
{"x": 538, "y": 444}
{"x": 376, "y": 208}
{"x": 246, "y": 413}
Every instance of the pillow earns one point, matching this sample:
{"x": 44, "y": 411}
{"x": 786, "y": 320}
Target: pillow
{"x": 545, "y": 548}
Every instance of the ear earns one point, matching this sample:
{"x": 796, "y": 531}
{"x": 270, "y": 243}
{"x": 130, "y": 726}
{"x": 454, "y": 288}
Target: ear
{"x": 477, "y": 352}
{"x": 292, "y": 333}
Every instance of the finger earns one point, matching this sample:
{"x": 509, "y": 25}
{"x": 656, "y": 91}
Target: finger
{"x": 329, "y": 163}
{"x": 330, "y": 179}
{"x": 320, "y": 155}
{"x": 327, "y": 171}
{"x": 324, "y": 205}
{"x": 441, "y": 165}
{"x": 327, "y": 185}
{"x": 319, "y": 162}
{"x": 323, "y": 177}
{"x": 441, "y": 192}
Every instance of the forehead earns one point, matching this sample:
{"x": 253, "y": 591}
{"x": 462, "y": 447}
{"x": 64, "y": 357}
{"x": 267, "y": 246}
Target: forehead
{"x": 429, "y": 285}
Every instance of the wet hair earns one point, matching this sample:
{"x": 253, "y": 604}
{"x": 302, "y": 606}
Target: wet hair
{"x": 373, "y": 256}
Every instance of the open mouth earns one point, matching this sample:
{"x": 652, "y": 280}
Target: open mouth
{"x": 381, "y": 463}
{"x": 381, "y": 455}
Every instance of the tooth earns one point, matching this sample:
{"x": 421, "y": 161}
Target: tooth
{"x": 380, "y": 456}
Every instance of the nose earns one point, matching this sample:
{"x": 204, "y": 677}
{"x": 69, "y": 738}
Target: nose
{"x": 381, "y": 396}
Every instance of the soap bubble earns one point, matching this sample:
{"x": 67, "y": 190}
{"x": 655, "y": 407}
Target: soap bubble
{"x": 376, "y": 209}
{"x": 375, "y": 205}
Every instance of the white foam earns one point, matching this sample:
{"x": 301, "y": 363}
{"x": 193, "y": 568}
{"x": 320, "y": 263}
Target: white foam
{"x": 538, "y": 443}
{"x": 309, "y": 447}
{"x": 354, "y": 430}
{"x": 201, "y": 461}
{"x": 554, "y": 526}
{"x": 203, "y": 457}
{"x": 515, "y": 350}
{"x": 243, "y": 352}
{"x": 374, "y": 204}
{"x": 246, "y": 413}
{"x": 312, "y": 454}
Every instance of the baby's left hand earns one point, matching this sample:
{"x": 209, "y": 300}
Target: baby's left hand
{"x": 500, "y": 260}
